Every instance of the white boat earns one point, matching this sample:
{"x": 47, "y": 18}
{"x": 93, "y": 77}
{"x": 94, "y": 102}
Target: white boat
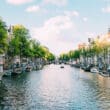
{"x": 94, "y": 70}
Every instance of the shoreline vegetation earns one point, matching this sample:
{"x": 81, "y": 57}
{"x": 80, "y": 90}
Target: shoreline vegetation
{"x": 19, "y": 52}
{"x": 93, "y": 56}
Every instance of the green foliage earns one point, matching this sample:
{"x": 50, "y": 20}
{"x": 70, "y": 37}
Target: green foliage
{"x": 21, "y": 36}
{"x": 21, "y": 45}
{"x": 64, "y": 57}
{"x": 50, "y": 57}
{"x": 70, "y": 55}
{"x": 3, "y": 36}
{"x": 76, "y": 54}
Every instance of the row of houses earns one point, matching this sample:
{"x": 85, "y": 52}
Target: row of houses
{"x": 96, "y": 51}
{"x": 8, "y": 63}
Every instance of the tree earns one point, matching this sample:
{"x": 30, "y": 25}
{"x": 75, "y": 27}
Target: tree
{"x": 50, "y": 57}
{"x": 71, "y": 54}
{"x": 76, "y": 54}
{"x": 3, "y": 37}
{"x": 22, "y": 35}
{"x": 19, "y": 44}
{"x": 64, "y": 57}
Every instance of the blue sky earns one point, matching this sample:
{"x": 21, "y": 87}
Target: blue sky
{"x": 59, "y": 24}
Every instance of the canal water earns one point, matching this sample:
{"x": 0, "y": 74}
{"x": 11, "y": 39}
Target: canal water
{"x": 55, "y": 88}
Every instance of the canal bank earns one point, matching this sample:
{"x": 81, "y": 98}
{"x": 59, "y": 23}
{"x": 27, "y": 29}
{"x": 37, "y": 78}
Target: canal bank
{"x": 55, "y": 88}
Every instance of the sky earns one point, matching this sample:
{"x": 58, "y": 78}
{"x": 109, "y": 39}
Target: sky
{"x": 61, "y": 25}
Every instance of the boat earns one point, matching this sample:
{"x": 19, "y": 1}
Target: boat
{"x": 23, "y": 66}
{"x": 7, "y": 73}
{"x": 16, "y": 70}
{"x": 28, "y": 68}
{"x": 72, "y": 65}
{"x": 88, "y": 68}
{"x": 39, "y": 67}
{"x": 77, "y": 65}
{"x": 94, "y": 70}
{"x": 62, "y": 66}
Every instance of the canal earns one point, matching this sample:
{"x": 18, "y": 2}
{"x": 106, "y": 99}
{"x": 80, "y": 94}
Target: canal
{"x": 55, "y": 88}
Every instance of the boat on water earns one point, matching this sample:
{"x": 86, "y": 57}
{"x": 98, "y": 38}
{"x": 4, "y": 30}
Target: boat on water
{"x": 16, "y": 69}
{"x": 77, "y": 65}
{"x": 28, "y": 69}
{"x": 94, "y": 70}
{"x": 88, "y": 68}
{"x": 62, "y": 66}
{"x": 39, "y": 66}
{"x": 7, "y": 73}
{"x": 30, "y": 66}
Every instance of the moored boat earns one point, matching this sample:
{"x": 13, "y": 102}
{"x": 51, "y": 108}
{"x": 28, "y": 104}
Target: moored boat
{"x": 28, "y": 69}
{"x": 62, "y": 66}
{"x": 16, "y": 69}
{"x": 94, "y": 70}
{"x": 7, "y": 73}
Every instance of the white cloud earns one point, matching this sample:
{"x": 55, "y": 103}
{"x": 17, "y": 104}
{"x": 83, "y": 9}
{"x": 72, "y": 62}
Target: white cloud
{"x": 18, "y": 2}
{"x": 56, "y": 2}
{"x": 106, "y": 9}
{"x": 55, "y": 33}
{"x": 71, "y": 13}
{"x": 85, "y": 19}
{"x": 90, "y": 34}
{"x": 33, "y": 8}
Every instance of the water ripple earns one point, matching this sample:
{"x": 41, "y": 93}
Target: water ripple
{"x": 54, "y": 88}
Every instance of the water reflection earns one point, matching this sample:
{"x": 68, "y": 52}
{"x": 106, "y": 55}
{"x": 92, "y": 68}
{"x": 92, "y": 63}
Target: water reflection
{"x": 3, "y": 92}
{"x": 54, "y": 88}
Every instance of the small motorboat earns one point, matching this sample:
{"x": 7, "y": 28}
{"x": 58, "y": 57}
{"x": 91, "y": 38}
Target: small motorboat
{"x": 7, "y": 73}
{"x": 62, "y": 66}
{"x": 28, "y": 69}
{"x": 94, "y": 70}
{"x": 39, "y": 67}
{"x": 16, "y": 71}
